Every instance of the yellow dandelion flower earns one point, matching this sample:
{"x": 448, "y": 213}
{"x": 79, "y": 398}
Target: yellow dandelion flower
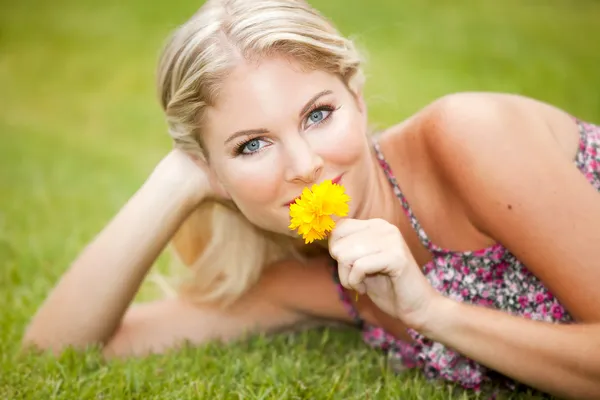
{"x": 312, "y": 211}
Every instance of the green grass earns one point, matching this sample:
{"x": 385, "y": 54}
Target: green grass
{"x": 80, "y": 130}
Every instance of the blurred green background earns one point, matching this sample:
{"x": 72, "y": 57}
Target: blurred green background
{"x": 81, "y": 128}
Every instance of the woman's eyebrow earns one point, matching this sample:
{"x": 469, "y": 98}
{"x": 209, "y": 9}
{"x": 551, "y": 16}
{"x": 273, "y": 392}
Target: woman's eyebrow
{"x": 312, "y": 101}
{"x": 262, "y": 131}
{"x": 249, "y": 132}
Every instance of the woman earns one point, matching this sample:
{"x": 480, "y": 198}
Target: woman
{"x": 473, "y": 225}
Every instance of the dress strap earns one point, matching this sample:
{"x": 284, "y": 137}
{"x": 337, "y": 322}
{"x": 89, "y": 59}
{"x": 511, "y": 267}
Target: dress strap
{"x": 398, "y": 192}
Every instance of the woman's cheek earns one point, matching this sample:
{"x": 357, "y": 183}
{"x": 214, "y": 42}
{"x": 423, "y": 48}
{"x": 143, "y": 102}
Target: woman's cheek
{"x": 255, "y": 182}
{"x": 341, "y": 143}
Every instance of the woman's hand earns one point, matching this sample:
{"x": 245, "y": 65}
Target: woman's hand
{"x": 179, "y": 170}
{"x": 373, "y": 258}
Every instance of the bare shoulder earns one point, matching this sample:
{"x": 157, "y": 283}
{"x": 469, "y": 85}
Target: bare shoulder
{"x": 458, "y": 121}
{"x": 462, "y": 136}
{"x": 509, "y": 160}
{"x": 459, "y": 130}
{"x": 470, "y": 116}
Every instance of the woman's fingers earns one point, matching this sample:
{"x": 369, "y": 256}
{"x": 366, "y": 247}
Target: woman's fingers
{"x": 369, "y": 265}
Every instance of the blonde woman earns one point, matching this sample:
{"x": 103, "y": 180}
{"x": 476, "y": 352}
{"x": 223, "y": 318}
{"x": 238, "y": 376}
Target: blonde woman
{"x": 472, "y": 235}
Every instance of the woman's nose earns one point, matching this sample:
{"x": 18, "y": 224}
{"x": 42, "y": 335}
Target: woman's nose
{"x": 304, "y": 165}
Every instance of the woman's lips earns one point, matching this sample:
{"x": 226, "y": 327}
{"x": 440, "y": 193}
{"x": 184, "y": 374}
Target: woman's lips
{"x": 335, "y": 181}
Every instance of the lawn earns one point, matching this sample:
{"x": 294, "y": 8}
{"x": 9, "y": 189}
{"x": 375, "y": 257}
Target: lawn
{"x": 81, "y": 129}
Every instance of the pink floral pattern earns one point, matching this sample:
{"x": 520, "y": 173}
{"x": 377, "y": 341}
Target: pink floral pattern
{"x": 491, "y": 277}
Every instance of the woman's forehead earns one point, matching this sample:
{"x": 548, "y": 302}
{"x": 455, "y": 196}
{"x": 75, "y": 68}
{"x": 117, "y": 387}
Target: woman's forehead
{"x": 256, "y": 94}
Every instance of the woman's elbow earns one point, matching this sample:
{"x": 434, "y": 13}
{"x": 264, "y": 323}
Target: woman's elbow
{"x": 42, "y": 338}
{"x": 35, "y": 341}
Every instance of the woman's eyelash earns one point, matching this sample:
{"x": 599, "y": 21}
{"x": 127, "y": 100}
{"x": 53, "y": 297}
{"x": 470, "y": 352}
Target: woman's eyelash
{"x": 239, "y": 148}
{"x": 322, "y": 107}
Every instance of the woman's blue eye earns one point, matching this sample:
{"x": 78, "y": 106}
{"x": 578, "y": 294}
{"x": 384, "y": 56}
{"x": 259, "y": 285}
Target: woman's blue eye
{"x": 251, "y": 146}
{"x": 318, "y": 116}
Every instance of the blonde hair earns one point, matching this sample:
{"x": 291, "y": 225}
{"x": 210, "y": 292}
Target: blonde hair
{"x": 225, "y": 252}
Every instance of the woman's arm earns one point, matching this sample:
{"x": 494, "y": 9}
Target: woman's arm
{"x": 88, "y": 303}
{"x": 289, "y": 295}
{"x": 563, "y": 360}
{"x": 520, "y": 188}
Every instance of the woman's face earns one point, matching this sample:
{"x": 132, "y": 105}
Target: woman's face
{"x": 277, "y": 129}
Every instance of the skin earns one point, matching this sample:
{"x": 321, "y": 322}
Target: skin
{"x": 292, "y": 150}
{"x": 450, "y": 158}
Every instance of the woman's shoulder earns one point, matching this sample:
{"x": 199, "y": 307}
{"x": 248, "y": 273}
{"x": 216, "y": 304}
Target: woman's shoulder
{"x": 478, "y": 146}
{"x": 461, "y": 127}
{"x": 470, "y": 113}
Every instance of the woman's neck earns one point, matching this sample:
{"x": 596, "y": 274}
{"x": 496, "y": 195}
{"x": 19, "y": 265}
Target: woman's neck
{"x": 380, "y": 201}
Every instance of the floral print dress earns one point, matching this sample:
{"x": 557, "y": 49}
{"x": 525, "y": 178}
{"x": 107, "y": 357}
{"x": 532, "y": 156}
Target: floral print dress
{"x": 491, "y": 277}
